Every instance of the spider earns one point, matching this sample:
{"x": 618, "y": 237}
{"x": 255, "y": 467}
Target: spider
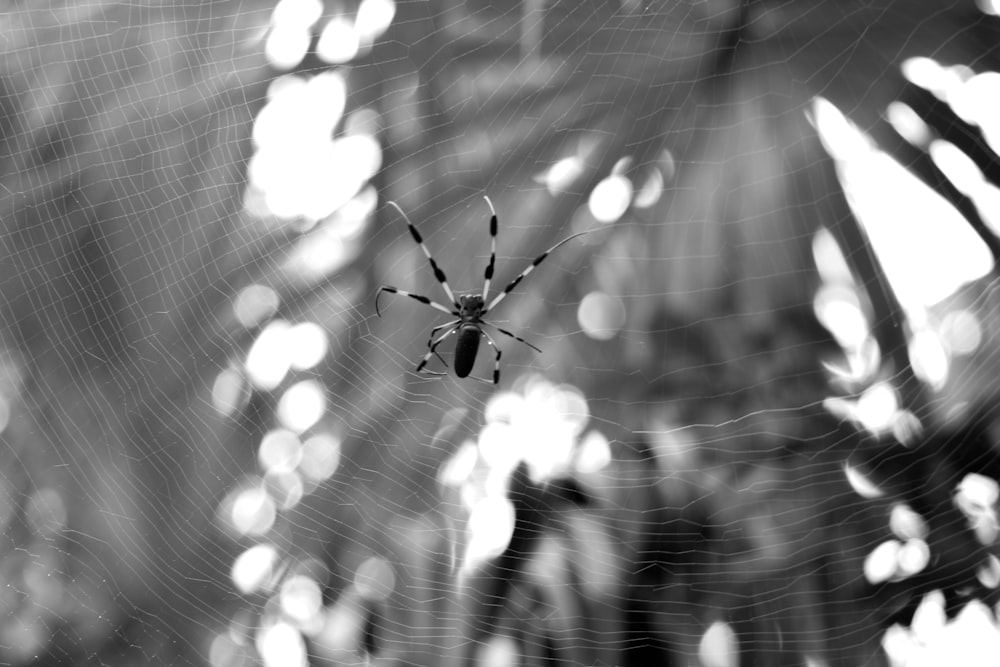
{"x": 470, "y": 309}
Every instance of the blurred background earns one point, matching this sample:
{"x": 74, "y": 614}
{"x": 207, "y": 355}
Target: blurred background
{"x": 762, "y": 427}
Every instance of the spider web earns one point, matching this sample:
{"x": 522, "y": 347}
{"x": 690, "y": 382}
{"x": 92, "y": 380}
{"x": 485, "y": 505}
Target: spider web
{"x": 758, "y": 431}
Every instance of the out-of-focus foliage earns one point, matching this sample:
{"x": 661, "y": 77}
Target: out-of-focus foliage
{"x": 213, "y": 452}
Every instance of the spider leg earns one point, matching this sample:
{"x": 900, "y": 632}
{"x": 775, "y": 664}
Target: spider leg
{"x": 531, "y": 267}
{"x": 433, "y": 350}
{"x": 422, "y": 299}
{"x": 434, "y": 331}
{"x": 507, "y": 333}
{"x": 493, "y": 248}
{"x": 438, "y": 273}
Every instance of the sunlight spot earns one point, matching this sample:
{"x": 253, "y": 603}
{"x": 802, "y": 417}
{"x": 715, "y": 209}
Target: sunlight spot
{"x": 499, "y": 447}
{"x": 837, "y": 308}
{"x": 281, "y": 645}
{"x": 285, "y": 488}
{"x": 490, "y": 526}
{"x": 876, "y": 407}
{"x": 906, "y": 428}
{"x": 929, "y": 75}
{"x": 651, "y": 190}
{"x": 610, "y": 198}
{"x": 718, "y": 646}
{"x": 601, "y": 315}
{"x": 840, "y": 137}
{"x": 928, "y": 358}
{"x": 861, "y": 484}
{"x": 594, "y": 453}
{"x": 254, "y": 568}
{"x": 253, "y": 511}
{"x": 560, "y": 176}
{"x": 929, "y": 619}
{"x": 957, "y": 166}
{"x": 499, "y": 650}
{"x": 908, "y": 124}
{"x": 989, "y": 573}
{"x": 907, "y": 524}
{"x": 318, "y": 255}
{"x": 269, "y": 358}
{"x": 829, "y": 258}
{"x": 326, "y": 98}
{"x": 502, "y": 407}
{"x": 301, "y": 598}
{"x": 309, "y": 345}
{"x": 338, "y": 43}
{"x": 298, "y": 13}
{"x": 458, "y": 468}
{"x": 286, "y": 46}
{"x": 882, "y": 193}
{"x": 280, "y": 451}
{"x": 343, "y": 628}
{"x": 373, "y": 18}
{"x": 912, "y": 557}
{"x": 254, "y": 304}
{"x": 375, "y": 579}
{"x": 320, "y": 456}
{"x": 302, "y": 405}
{"x": 979, "y": 490}
{"x": 881, "y": 563}
{"x": 991, "y": 7}
{"x": 980, "y": 98}
{"x": 961, "y": 332}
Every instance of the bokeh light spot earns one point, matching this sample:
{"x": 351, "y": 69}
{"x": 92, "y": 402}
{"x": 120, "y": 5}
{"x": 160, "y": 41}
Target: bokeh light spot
{"x": 373, "y": 18}
{"x": 594, "y": 454}
{"x": 907, "y": 524}
{"x": 961, "y": 332}
{"x": 269, "y": 358}
{"x": 881, "y": 563}
{"x": 254, "y": 568}
{"x": 253, "y": 511}
{"x": 320, "y": 456}
{"x": 281, "y": 645}
{"x": 838, "y": 310}
{"x": 610, "y": 198}
{"x": 301, "y": 598}
{"x": 560, "y": 176}
{"x": 861, "y": 484}
{"x": 912, "y": 557}
{"x": 718, "y": 647}
{"x": 490, "y": 526}
{"x": 309, "y": 345}
{"x": 297, "y": 13}
{"x": 877, "y": 406}
{"x": 254, "y": 304}
{"x": 280, "y": 451}
{"x": 929, "y": 358}
{"x": 286, "y": 46}
{"x": 601, "y": 315}
{"x": 338, "y": 43}
{"x": 230, "y": 392}
{"x": 302, "y": 405}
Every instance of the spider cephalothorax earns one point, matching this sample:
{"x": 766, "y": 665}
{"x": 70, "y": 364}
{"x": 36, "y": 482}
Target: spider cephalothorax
{"x": 470, "y": 309}
{"x": 471, "y": 306}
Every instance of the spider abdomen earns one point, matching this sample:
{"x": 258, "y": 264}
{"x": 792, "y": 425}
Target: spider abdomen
{"x": 466, "y": 347}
